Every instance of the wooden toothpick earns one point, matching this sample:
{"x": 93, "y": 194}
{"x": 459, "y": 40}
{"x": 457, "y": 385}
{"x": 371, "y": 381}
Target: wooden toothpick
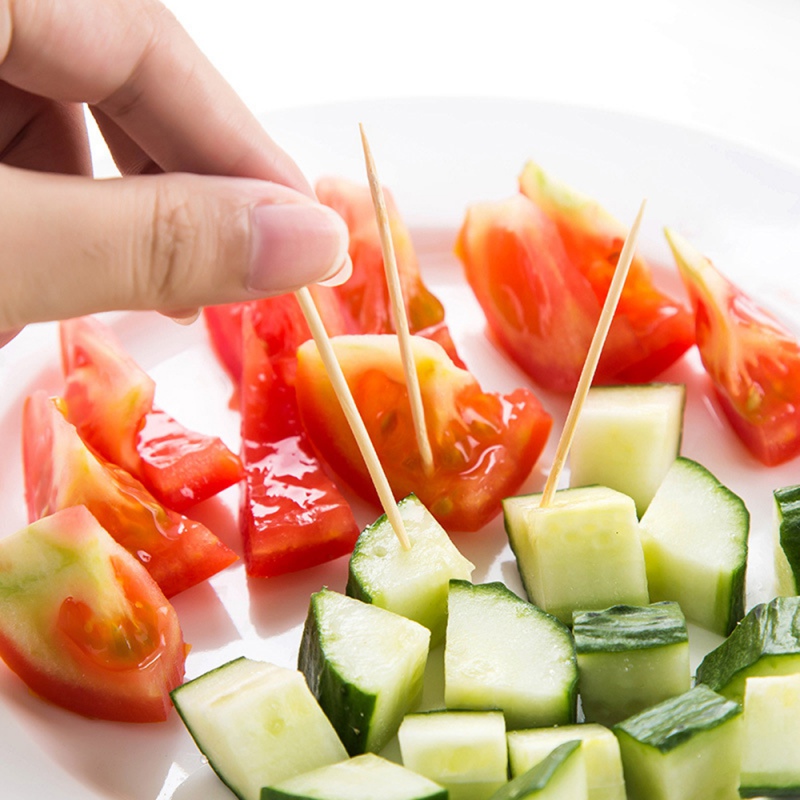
{"x": 592, "y": 357}
{"x": 348, "y": 404}
{"x": 399, "y": 308}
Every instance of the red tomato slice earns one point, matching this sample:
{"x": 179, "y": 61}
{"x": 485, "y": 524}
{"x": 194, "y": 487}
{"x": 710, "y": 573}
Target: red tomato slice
{"x": 484, "y": 445}
{"x": 662, "y": 328}
{"x": 753, "y": 360}
{"x": 365, "y": 297}
{"x": 292, "y": 515}
{"x": 110, "y": 401}
{"x": 83, "y": 624}
{"x": 61, "y": 472}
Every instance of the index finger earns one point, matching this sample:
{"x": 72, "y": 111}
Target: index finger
{"x": 133, "y": 61}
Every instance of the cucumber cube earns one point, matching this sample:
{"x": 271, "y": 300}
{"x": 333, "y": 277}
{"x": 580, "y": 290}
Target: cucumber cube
{"x": 364, "y": 777}
{"x": 503, "y": 653}
{"x": 365, "y": 666}
{"x": 560, "y": 550}
{"x": 627, "y": 438}
{"x": 464, "y": 751}
{"x": 770, "y": 764}
{"x": 412, "y": 582}
{"x": 686, "y": 748}
{"x": 765, "y": 642}
{"x": 258, "y": 724}
{"x": 694, "y": 535}
{"x": 604, "y": 777}
{"x": 561, "y": 775}
{"x": 787, "y": 540}
{"x": 630, "y": 658}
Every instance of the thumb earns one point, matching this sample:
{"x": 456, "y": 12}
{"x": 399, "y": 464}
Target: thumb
{"x": 73, "y": 246}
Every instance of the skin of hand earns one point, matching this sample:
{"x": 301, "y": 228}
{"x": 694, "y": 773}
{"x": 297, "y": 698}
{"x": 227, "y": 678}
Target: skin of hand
{"x": 209, "y": 208}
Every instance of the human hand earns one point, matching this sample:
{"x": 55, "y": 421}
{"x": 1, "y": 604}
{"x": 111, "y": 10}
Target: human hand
{"x": 210, "y": 210}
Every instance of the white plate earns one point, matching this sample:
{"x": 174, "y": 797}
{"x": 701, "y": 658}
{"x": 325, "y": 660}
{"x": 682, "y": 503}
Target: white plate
{"x": 741, "y": 208}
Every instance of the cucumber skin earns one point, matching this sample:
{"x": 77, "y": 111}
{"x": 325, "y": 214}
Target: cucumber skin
{"x": 325, "y": 681}
{"x": 537, "y": 777}
{"x": 788, "y": 502}
{"x": 769, "y": 791}
{"x": 659, "y": 625}
{"x": 768, "y": 629}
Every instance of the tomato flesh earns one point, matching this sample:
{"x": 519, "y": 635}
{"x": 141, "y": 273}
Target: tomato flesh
{"x": 484, "y": 444}
{"x": 61, "y": 472}
{"x": 110, "y": 401}
{"x": 292, "y": 515}
{"x": 83, "y": 624}
{"x": 752, "y": 359}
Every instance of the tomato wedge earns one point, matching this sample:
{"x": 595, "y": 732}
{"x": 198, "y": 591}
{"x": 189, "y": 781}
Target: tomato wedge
{"x": 292, "y": 515}
{"x": 753, "y": 360}
{"x": 484, "y": 445}
{"x": 365, "y": 297}
{"x": 109, "y": 398}
{"x": 61, "y": 472}
{"x": 83, "y": 624}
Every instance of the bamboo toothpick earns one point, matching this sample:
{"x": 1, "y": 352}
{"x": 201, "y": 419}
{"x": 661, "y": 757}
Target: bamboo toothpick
{"x": 399, "y": 308}
{"x": 348, "y": 404}
{"x": 592, "y": 357}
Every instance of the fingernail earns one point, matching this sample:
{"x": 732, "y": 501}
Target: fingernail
{"x": 295, "y": 244}
{"x": 340, "y": 274}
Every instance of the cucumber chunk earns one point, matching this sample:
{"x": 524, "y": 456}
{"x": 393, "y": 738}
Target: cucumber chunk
{"x": 257, "y": 724}
{"x": 604, "y": 777}
{"x": 694, "y": 535}
{"x": 464, "y": 751}
{"x": 410, "y": 582}
{"x": 686, "y": 748}
{"x": 504, "y": 653}
{"x": 787, "y": 539}
{"x": 630, "y": 658}
{"x": 765, "y": 642}
{"x": 364, "y": 777}
{"x": 365, "y": 666}
{"x": 627, "y": 438}
{"x": 561, "y": 775}
{"x": 559, "y": 550}
{"x": 770, "y": 763}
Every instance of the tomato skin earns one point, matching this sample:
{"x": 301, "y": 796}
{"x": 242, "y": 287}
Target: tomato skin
{"x": 484, "y": 445}
{"x": 753, "y": 360}
{"x": 110, "y": 401}
{"x": 292, "y": 516}
{"x": 365, "y": 297}
{"x": 61, "y": 472}
{"x": 84, "y": 625}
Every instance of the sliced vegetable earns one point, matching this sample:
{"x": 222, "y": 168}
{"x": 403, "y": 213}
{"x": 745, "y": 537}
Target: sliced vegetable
{"x": 83, "y": 624}
{"x": 61, "y": 471}
{"x": 604, "y": 777}
{"x": 413, "y": 582}
{"x": 464, "y": 751}
{"x": 561, "y": 775}
{"x": 630, "y": 658}
{"x": 627, "y": 437}
{"x": 503, "y": 653}
{"x": 109, "y": 399}
{"x": 686, "y": 748}
{"x": 765, "y": 642}
{"x": 771, "y": 737}
{"x": 484, "y": 445}
{"x": 787, "y": 539}
{"x": 257, "y": 724}
{"x": 559, "y": 548}
{"x": 364, "y": 665}
{"x": 661, "y": 328}
{"x": 292, "y": 515}
{"x": 753, "y": 360}
{"x": 361, "y": 778}
{"x": 694, "y": 535}
{"x": 365, "y": 296}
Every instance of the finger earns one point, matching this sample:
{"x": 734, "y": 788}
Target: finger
{"x": 133, "y": 61}
{"x": 42, "y": 134}
{"x": 167, "y": 242}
